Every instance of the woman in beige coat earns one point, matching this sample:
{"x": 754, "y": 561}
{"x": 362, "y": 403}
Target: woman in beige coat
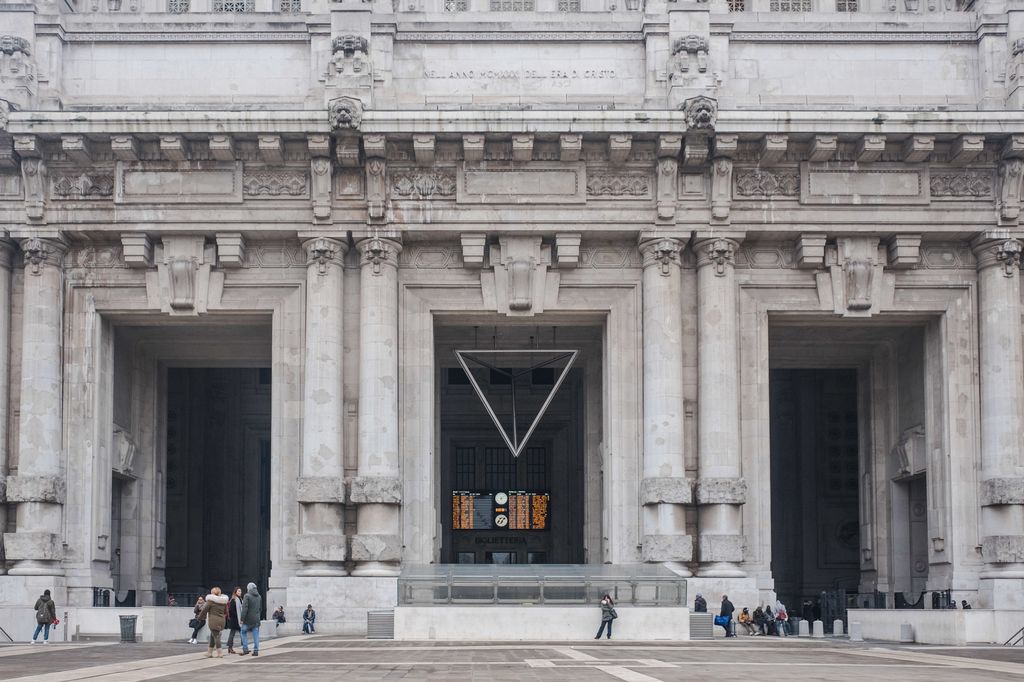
{"x": 215, "y": 609}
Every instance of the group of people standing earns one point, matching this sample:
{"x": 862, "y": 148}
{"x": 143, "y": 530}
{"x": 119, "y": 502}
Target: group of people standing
{"x": 239, "y": 613}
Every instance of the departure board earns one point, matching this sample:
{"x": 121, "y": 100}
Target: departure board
{"x": 503, "y": 509}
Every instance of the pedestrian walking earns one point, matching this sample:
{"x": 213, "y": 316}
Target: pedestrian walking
{"x": 46, "y": 615}
{"x": 781, "y": 619}
{"x": 700, "y": 605}
{"x": 309, "y": 620}
{"x": 198, "y": 620}
{"x": 249, "y": 616}
{"x": 608, "y": 614}
{"x": 215, "y": 610}
{"x": 725, "y": 615}
{"x": 233, "y": 620}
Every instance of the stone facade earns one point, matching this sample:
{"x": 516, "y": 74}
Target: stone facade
{"x": 696, "y": 179}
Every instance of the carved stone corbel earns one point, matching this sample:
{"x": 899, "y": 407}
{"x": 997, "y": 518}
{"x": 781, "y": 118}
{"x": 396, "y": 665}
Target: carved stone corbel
{"x": 522, "y": 280}
{"x": 320, "y": 188}
{"x": 721, "y": 190}
{"x": 856, "y": 273}
{"x": 33, "y": 177}
{"x": 376, "y": 189}
{"x": 668, "y": 181}
{"x": 183, "y": 274}
{"x": 1010, "y": 172}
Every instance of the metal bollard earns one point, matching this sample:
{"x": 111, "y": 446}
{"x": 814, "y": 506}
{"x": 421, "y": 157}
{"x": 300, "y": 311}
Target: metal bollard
{"x": 837, "y": 628}
{"x": 805, "y": 628}
{"x": 856, "y": 634}
{"x": 819, "y": 630}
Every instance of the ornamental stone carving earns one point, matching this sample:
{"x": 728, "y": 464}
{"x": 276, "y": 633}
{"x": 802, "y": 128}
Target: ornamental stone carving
{"x": 283, "y": 183}
{"x": 719, "y": 253}
{"x": 33, "y": 178}
{"x": 1010, "y": 173}
{"x": 38, "y": 252}
{"x": 426, "y": 184}
{"x": 701, "y": 113}
{"x": 83, "y": 186}
{"x": 322, "y": 252}
{"x": 965, "y": 183}
{"x": 350, "y": 56}
{"x": 10, "y": 45}
{"x": 5, "y": 112}
{"x": 859, "y": 275}
{"x": 377, "y": 252}
{"x": 691, "y": 48}
{"x": 320, "y": 188}
{"x": 376, "y": 189}
{"x": 721, "y": 190}
{"x": 1008, "y": 253}
{"x": 768, "y": 183}
{"x": 619, "y": 185}
{"x": 346, "y": 113}
{"x": 663, "y": 253}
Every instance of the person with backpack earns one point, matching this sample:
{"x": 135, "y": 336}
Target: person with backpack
{"x": 46, "y": 615}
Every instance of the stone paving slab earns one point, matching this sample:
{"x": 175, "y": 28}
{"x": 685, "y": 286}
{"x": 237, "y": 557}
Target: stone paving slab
{"x": 360, "y": 660}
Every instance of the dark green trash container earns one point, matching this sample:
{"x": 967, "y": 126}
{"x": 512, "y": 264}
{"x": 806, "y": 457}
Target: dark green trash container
{"x": 128, "y": 628}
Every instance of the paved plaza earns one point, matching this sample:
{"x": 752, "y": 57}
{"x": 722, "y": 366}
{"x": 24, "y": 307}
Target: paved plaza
{"x": 332, "y": 658}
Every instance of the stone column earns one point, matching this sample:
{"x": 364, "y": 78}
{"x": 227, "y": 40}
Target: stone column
{"x": 721, "y": 490}
{"x": 665, "y": 489}
{"x": 321, "y": 488}
{"x": 1002, "y": 409}
{"x": 377, "y": 547}
{"x": 6, "y": 255}
{"x": 39, "y": 488}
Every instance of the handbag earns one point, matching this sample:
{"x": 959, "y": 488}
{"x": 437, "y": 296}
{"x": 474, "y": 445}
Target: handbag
{"x": 614, "y": 614}
{"x": 194, "y": 623}
{"x": 722, "y": 620}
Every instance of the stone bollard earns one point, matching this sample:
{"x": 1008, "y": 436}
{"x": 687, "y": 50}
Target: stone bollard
{"x": 906, "y": 633}
{"x": 819, "y": 630}
{"x": 856, "y": 632}
{"x": 837, "y": 628}
{"x": 805, "y": 628}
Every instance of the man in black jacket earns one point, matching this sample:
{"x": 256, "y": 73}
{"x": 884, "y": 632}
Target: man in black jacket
{"x": 726, "y": 612}
{"x": 699, "y": 605}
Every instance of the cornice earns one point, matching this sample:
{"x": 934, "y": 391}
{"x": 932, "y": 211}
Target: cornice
{"x": 746, "y": 122}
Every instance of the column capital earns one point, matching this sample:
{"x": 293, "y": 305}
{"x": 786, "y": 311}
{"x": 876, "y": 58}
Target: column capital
{"x": 39, "y": 251}
{"x": 664, "y": 252}
{"x": 998, "y": 248}
{"x": 323, "y": 252}
{"x": 377, "y": 252}
{"x": 717, "y": 251}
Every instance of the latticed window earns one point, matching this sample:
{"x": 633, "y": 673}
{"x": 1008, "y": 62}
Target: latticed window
{"x": 568, "y": 5}
{"x": 790, "y": 6}
{"x": 512, "y": 5}
{"x": 456, "y": 5}
{"x": 234, "y": 6}
{"x": 291, "y": 6}
{"x": 178, "y": 6}
{"x": 737, "y": 5}
{"x": 847, "y": 5}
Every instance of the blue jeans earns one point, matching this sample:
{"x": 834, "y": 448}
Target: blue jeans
{"x": 600, "y": 630}
{"x": 255, "y": 630}
{"x": 45, "y": 629}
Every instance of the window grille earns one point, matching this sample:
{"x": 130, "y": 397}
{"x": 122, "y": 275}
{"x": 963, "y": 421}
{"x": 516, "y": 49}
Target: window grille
{"x": 291, "y": 6}
{"x": 465, "y": 468}
{"x": 512, "y": 5}
{"x": 847, "y": 5}
{"x": 178, "y": 6}
{"x": 737, "y": 5}
{"x": 234, "y": 6}
{"x": 790, "y": 6}
{"x": 568, "y": 5}
{"x": 456, "y": 5}
{"x": 499, "y": 469}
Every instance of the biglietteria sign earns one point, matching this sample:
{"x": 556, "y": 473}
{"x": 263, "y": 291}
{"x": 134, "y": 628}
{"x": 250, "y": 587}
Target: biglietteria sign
{"x": 487, "y": 359}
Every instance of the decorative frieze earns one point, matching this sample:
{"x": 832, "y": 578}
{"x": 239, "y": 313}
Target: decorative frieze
{"x": 285, "y": 183}
{"x": 768, "y": 183}
{"x": 437, "y": 183}
{"x": 619, "y": 185}
{"x": 962, "y": 183}
{"x": 82, "y": 186}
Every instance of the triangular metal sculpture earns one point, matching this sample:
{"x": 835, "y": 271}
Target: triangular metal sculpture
{"x": 515, "y": 445}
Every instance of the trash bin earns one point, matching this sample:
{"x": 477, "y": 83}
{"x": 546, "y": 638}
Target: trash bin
{"x": 128, "y": 628}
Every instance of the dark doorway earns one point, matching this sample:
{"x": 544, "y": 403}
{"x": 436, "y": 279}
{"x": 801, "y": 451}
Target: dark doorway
{"x": 218, "y": 479}
{"x": 539, "y": 494}
{"x": 815, "y": 458}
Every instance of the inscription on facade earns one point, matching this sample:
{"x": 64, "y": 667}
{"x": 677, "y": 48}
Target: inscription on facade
{"x": 877, "y": 183}
{"x": 173, "y": 182}
{"x": 548, "y": 183}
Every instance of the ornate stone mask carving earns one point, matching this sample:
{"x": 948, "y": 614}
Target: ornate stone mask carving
{"x": 346, "y": 113}
{"x": 701, "y": 113}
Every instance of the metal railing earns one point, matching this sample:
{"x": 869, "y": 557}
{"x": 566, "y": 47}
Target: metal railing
{"x": 551, "y": 584}
{"x": 1017, "y": 639}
